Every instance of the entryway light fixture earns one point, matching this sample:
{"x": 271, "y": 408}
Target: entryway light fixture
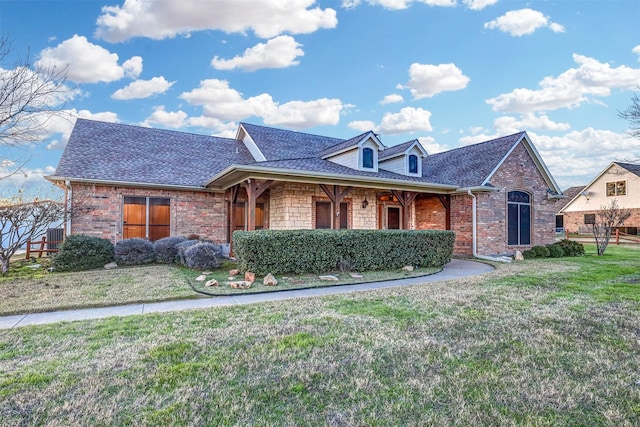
{"x": 365, "y": 203}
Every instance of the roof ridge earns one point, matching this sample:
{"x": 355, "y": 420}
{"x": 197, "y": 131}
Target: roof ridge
{"x": 481, "y": 143}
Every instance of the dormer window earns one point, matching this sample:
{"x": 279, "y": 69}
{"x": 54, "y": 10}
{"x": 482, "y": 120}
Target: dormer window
{"x": 413, "y": 163}
{"x": 367, "y": 158}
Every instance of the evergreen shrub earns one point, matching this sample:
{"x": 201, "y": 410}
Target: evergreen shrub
{"x": 317, "y": 251}
{"x": 80, "y": 252}
{"x": 541, "y": 251}
{"x": 528, "y": 254}
{"x": 166, "y": 249}
{"x": 202, "y": 256}
{"x": 571, "y": 248}
{"x": 134, "y": 252}
{"x": 182, "y": 247}
{"x": 555, "y": 250}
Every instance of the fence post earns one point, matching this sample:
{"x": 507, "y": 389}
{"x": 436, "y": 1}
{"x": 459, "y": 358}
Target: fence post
{"x": 42, "y": 243}
{"x": 566, "y": 233}
{"x": 617, "y": 236}
{"x": 28, "y": 255}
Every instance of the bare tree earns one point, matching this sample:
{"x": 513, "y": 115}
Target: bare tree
{"x": 632, "y": 116}
{"x": 22, "y": 220}
{"x": 30, "y": 96}
{"x": 608, "y": 218}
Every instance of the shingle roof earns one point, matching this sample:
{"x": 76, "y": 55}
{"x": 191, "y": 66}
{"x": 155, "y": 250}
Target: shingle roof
{"x": 396, "y": 149}
{"x": 276, "y": 144}
{"x": 343, "y": 145}
{"x": 631, "y": 167}
{"x": 468, "y": 166}
{"x": 123, "y": 153}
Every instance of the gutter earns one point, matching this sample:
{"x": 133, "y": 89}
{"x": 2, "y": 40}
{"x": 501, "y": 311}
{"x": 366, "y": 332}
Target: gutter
{"x": 474, "y": 234}
{"x": 67, "y": 206}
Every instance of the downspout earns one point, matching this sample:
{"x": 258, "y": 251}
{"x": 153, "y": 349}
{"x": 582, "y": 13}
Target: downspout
{"x": 474, "y": 234}
{"x": 67, "y": 207}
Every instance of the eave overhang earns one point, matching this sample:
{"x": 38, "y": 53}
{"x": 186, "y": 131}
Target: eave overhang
{"x": 61, "y": 179}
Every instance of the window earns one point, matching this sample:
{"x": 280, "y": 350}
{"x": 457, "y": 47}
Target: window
{"x": 146, "y": 218}
{"x": 589, "y": 219}
{"x": 518, "y": 218}
{"x": 324, "y": 212}
{"x": 618, "y": 188}
{"x": 393, "y": 218}
{"x": 367, "y": 158}
{"x": 413, "y": 163}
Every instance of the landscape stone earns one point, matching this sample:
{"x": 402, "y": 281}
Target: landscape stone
{"x": 519, "y": 256}
{"x": 201, "y": 278}
{"x": 250, "y": 277}
{"x": 270, "y": 280}
{"x": 408, "y": 268}
{"x": 234, "y": 272}
{"x": 240, "y": 284}
{"x": 231, "y": 278}
{"x": 329, "y": 278}
{"x": 212, "y": 282}
{"x": 356, "y": 275}
{"x": 110, "y": 266}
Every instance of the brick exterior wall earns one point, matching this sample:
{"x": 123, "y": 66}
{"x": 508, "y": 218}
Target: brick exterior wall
{"x": 430, "y": 214}
{"x": 574, "y": 221}
{"x": 97, "y": 211}
{"x": 461, "y": 224}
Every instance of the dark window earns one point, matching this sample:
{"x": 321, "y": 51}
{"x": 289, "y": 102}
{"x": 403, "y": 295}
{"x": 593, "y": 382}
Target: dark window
{"x": 413, "y": 163}
{"x": 589, "y": 219}
{"x": 146, "y": 218}
{"x": 323, "y": 215}
{"x": 367, "y": 158}
{"x": 518, "y": 218}
{"x": 393, "y": 218}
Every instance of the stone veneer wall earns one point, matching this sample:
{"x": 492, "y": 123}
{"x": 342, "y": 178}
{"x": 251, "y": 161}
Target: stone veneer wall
{"x": 574, "y": 221}
{"x": 292, "y": 206}
{"x": 192, "y": 212}
{"x": 518, "y": 172}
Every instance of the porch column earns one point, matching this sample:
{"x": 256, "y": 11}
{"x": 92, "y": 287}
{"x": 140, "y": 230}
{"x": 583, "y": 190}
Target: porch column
{"x": 254, "y": 189}
{"x": 445, "y": 199}
{"x": 405, "y": 198}
{"x": 336, "y": 197}
{"x": 233, "y": 197}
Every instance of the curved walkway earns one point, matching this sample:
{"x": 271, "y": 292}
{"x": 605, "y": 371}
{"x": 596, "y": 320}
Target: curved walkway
{"x": 457, "y": 268}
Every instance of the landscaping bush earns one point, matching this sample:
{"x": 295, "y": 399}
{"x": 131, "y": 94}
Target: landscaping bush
{"x": 166, "y": 249}
{"x": 541, "y": 251}
{"x": 555, "y": 250}
{"x": 80, "y": 252}
{"x": 134, "y": 252}
{"x": 300, "y": 251}
{"x": 202, "y": 256}
{"x": 181, "y": 248}
{"x": 571, "y": 248}
{"x": 528, "y": 254}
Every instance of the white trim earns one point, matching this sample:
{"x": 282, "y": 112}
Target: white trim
{"x": 253, "y": 148}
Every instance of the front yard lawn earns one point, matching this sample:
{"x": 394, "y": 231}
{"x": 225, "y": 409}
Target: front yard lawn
{"x": 540, "y": 342}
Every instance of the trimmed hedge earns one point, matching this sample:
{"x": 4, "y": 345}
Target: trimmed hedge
{"x": 80, "y": 252}
{"x": 202, "y": 255}
{"x": 166, "y": 249}
{"x": 134, "y": 252}
{"x": 317, "y": 251}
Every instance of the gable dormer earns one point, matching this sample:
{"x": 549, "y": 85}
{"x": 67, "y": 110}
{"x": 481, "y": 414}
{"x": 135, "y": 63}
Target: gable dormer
{"x": 359, "y": 153}
{"x": 405, "y": 159}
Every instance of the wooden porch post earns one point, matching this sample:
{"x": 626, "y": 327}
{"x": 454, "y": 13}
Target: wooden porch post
{"x": 254, "y": 189}
{"x": 336, "y": 198}
{"x": 445, "y": 199}
{"x": 405, "y": 198}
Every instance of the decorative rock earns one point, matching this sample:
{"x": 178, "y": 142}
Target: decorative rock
{"x": 408, "y": 268}
{"x": 110, "y": 266}
{"x": 231, "y": 278}
{"x": 519, "y": 256}
{"x": 212, "y": 282}
{"x": 206, "y": 273}
{"x": 250, "y": 277}
{"x": 328, "y": 278}
{"x": 240, "y": 284}
{"x": 269, "y": 280}
{"x": 356, "y": 275}
{"x": 201, "y": 278}
{"x": 234, "y": 272}
{"x": 34, "y": 266}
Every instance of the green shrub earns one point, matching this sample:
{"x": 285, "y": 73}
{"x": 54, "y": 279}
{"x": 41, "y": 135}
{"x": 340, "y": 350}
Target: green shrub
{"x": 166, "y": 249}
{"x": 300, "y": 251}
{"x": 571, "y": 248}
{"x": 555, "y": 250}
{"x": 134, "y": 252}
{"x": 80, "y": 252}
{"x": 529, "y": 254}
{"x": 541, "y": 251}
{"x": 181, "y": 248}
{"x": 202, "y": 255}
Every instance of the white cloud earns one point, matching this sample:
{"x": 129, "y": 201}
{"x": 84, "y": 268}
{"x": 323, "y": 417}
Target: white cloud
{"x": 522, "y": 22}
{"x": 429, "y": 143}
{"x": 89, "y": 63}
{"x": 507, "y": 125}
{"x": 362, "y": 125}
{"x": 407, "y": 120}
{"x": 570, "y": 89}
{"x": 31, "y": 180}
{"x": 162, "y": 19}
{"x": 479, "y": 4}
{"x": 141, "y": 89}
{"x": 636, "y": 50}
{"x": 279, "y": 52}
{"x": 427, "y": 80}
{"x": 392, "y": 99}
{"x": 221, "y": 102}
{"x": 164, "y": 118}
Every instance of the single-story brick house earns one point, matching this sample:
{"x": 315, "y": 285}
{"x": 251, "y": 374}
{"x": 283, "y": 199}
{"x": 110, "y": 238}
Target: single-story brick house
{"x": 619, "y": 181}
{"x": 498, "y": 196}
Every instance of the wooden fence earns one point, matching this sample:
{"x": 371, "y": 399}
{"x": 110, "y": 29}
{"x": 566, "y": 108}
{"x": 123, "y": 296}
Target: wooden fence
{"x": 46, "y": 247}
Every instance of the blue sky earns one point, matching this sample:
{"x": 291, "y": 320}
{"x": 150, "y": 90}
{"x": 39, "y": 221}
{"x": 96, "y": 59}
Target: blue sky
{"x": 448, "y": 72}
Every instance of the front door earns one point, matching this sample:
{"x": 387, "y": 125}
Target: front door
{"x": 393, "y": 218}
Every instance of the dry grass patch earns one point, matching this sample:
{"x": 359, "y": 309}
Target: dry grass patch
{"x": 533, "y": 343}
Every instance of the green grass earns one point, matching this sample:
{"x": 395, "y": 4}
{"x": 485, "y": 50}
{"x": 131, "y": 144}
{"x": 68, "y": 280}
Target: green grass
{"x": 550, "y": 342}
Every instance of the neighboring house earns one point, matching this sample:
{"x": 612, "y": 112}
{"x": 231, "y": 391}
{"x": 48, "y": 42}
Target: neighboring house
{"x": 619, "y": 181}
{"x": 569, "y": 194}
{"x": 126, "y": 181}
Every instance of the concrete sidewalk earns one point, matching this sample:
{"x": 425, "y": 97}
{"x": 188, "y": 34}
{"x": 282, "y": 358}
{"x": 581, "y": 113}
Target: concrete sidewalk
{"x": 455, "y": 269}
